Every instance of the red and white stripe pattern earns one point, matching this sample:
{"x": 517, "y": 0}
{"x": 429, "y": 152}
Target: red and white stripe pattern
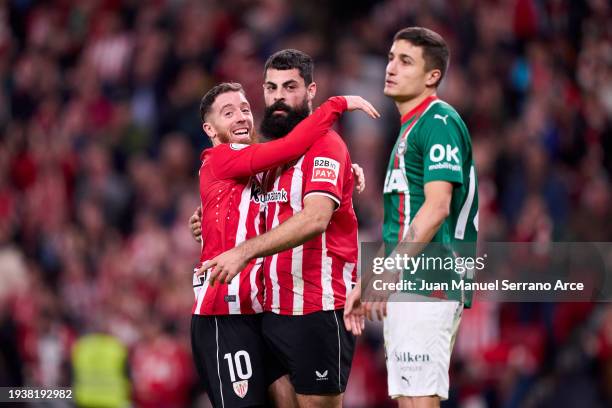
{"x": 230, "y": 215}
{"x": 319, "y": 274}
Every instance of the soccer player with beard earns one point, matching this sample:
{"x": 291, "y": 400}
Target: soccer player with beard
{"x": 310, "y": 248}
{"x": 226, "y": 334}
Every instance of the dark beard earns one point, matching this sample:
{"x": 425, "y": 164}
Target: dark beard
{"x": 276, "y": 126}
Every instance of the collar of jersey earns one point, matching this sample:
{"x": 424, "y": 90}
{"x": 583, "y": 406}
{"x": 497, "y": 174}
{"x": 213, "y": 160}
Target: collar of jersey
{"x": 418, "y": 110}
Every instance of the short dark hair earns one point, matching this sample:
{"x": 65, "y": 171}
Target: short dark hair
{"x": 290, "y": 59}
{"x": 211, "y": 96}
{"x": 435, "y": 50}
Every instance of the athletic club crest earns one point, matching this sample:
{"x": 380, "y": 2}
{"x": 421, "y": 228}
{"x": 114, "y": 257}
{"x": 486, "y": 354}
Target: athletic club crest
{"x": 401, "y": 148}
{"x": 241, "y": 388}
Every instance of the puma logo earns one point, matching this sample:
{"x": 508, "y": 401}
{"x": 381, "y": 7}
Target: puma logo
{"x": 407, "y": 381}
{"x": 442, "y": 118}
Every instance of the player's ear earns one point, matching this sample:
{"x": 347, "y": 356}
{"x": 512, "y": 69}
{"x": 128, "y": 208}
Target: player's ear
{"x": 311, "y": 89}
{"x": 433, "y": 77}
{"x": 209, "y": 130}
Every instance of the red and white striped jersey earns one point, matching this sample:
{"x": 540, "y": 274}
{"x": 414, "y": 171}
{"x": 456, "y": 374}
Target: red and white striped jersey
{"x": 230, "y": 215}
{"x": 230, "y": 196}
{"x": 319, "y": 274}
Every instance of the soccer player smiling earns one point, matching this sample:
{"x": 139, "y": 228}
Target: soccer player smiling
{"x": 227, "y": 342}
{"x": 310, "y": 246}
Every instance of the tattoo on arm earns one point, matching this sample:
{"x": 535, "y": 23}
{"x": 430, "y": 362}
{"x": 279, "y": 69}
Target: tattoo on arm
{"x": 411, "y": 232}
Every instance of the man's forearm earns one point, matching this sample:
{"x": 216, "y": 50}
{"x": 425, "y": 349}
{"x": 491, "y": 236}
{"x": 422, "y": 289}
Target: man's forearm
{"x": 422, "y": 229}
{"x": 291, "y": 233}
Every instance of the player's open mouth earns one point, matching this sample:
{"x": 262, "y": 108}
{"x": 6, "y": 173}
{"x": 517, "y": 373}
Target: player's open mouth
{"x": 280, "y": 112}
{"x": 388, "y": 82}
{"x": 241, "y": 132}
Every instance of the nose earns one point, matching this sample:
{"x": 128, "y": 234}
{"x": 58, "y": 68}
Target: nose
{"x": 279, "y": 94}
{"x": 241, "y": 116}
{"x": 390, "y": 68}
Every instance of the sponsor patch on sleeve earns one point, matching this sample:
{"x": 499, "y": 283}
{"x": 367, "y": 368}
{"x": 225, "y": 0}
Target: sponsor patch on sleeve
{"x": 238, "y": 146}
{"x": 325, "y": 169}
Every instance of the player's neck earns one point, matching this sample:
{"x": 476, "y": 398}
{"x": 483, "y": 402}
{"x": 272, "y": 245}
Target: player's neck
{"x": 408, "y": 105}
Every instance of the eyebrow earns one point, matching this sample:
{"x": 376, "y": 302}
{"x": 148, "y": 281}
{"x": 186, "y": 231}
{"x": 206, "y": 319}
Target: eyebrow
{"x": 227, "y": 105}
{"x": 291, "y": 81}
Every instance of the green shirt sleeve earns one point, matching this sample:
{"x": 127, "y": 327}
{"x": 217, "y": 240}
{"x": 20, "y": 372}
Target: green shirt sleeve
{"x": 442, "y": 150}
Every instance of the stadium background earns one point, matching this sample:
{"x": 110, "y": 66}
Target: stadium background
{"x": 99, "y": 145}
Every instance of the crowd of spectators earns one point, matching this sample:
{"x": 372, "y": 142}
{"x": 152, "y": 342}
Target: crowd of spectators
{"x": 99, "y": 144}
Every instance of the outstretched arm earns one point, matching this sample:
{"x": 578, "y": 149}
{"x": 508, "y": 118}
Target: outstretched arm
{"x": 303, "y": 226}
{"x": 250, "y": 160}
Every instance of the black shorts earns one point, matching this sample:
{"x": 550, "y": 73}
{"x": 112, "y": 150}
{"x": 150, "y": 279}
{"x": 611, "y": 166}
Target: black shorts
{"x": 316, "y": 349}
{"x": 233, "y": 360}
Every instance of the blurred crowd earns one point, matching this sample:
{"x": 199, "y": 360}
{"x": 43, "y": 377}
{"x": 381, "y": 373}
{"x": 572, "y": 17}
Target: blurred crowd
{"x": 99, "y": 144}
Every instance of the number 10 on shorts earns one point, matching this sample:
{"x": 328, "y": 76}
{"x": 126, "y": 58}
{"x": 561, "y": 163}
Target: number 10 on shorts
{"x": 240, "y": 364}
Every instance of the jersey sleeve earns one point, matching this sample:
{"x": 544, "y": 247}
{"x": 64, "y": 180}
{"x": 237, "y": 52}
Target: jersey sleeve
{"x": 239, "y": 160}
{"x": 442, "y": 150}
{"x": 324, "y": 169}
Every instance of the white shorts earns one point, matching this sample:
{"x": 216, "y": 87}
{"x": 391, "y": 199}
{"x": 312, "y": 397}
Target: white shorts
{"x": 419, "y": 338}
